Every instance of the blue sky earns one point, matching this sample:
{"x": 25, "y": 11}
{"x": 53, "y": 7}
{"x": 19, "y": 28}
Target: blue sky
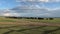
{"x": 49, "y": 8}
{"x": 7, "y": 4}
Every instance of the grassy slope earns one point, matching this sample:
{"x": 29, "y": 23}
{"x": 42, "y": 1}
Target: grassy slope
{"x": 14, "y": 29}
{"x": 30, "y": 30}
{"x": 2, "y": 19}
{"x": 56, "y": 20}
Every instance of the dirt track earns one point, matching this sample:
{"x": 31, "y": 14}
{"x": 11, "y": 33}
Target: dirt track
{"x": 30, "y": 24}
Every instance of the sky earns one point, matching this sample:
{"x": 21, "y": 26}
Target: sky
{"x": 7, "y": 4}
{"x": 30, "y": 8}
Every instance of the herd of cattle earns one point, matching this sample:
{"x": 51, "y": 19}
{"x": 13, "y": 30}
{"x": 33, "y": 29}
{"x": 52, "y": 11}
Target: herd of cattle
{"x": 31, "y": 18}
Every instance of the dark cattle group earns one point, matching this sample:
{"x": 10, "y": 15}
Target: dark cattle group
{"x": 31, "y": 18}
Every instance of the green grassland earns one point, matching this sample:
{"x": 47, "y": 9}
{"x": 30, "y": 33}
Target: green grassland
{"x": 17, "y": 29}
{"x": 55, "y": 20}
{"x": 30, "y": 30}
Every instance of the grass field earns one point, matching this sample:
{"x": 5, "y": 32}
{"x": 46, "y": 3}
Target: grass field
{"x": 55, "y": 20}
{"x": 30, "y": 30}
{"x": 13, "y": 26}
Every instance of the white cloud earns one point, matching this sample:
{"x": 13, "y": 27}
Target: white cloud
{"x": 38, "y": 5}
{"x": 54, "y": 0}
{"x": 6, "y": 10}
{"x": 44, "y": 11}
{"x": 11, "y": 14}
{"x": 39, "y": 0}
{"x": 44, "y": 0}
{"x": 36, "y": 13}
{"x": 33, "y": 0}
{"x": 7, "y": 14}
